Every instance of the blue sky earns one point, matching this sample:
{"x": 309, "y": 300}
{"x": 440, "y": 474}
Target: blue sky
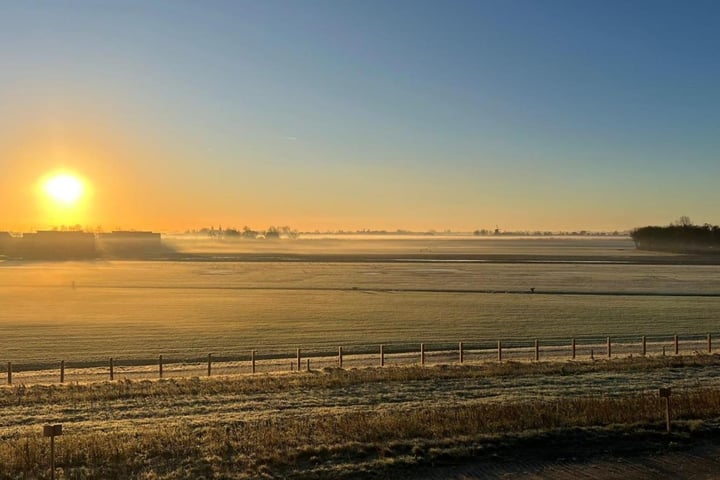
{"x": 372, "y": 114}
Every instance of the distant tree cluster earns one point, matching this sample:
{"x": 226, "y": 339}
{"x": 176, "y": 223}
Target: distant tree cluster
{"x": 680, "y": 236}
{"x": 271, "y": 233}
{"x": 544, "y": 233}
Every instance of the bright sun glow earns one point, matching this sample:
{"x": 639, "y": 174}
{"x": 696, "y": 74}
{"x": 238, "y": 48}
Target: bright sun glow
{"x": 64, "y": 189}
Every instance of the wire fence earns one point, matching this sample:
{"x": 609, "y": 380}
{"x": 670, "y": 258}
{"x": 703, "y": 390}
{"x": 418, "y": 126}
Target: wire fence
{"x": 316, "y": 357}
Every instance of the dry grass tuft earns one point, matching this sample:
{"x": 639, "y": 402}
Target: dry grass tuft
{"x": 331, "y": 444}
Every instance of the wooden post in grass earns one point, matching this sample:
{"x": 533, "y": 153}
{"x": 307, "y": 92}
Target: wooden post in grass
{"x": 160, "y": 365}
{"x": 9, "y": 373}
{"x": 609, "y": 347}
{"x": 665, "y": 395}
{"x": 677, "y": 344}
{"x": 644, "y": 345}
{"x": 460, "y": 352}
{"x": 709, "y": 342}
{"x": 112, "y": 370}
{"x": 537, "y": 350}
{"x": 299, "y": 360}
{"x": 382, "y": 356}
{"x": 209, "y": 364}
{"x": 340, "y": 359}
{"x": 499, "y": 351}
{"x": 592, "y": 354}
{"x": 573, "y": 348}
{"x": 308, "y": 364}
{"x": 62, "y": 371}
{"x": 422, "y": 354}
{"x": 252, "y": 360}
{"x": 52, "y": 431}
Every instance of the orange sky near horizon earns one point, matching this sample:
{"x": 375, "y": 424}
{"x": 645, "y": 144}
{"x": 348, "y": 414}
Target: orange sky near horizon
{"x": 356, "y": 115}
{"x": 137, "y": 185}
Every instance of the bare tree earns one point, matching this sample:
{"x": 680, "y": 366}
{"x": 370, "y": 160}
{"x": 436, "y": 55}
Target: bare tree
{"x": 683, "y": 221}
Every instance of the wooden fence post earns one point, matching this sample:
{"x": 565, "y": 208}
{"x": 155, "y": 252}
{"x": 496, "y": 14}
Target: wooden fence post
{"x": 252, "y": 360}
{"x": 644, "y": 345}
{"x": 308, "y": 364}
{"x": 62, "y": 371}
{"x": 299, "y": 361}
{"x": 460, "y": 352}
{"x": 573, "y": 348}
{"x": 537, "y": 350}
{"x": 677, "y": 344}
{"x": 499, "y": 351}
{"x": 382, "y": 356}
{"x": 9, "y": 373}
{"x": 340, "y": 357}
{"x": 160, "y": 365}
{"x": 209, "y": 364}
{"x": 112, "y": 370}
{"x": 709, "y": 342}
{"x": 422, "y": 354}
{"x": 665, "y": 395}
{"x": 609, "y": 347}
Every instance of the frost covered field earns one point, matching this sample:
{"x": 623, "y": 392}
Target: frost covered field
{"x": 226, "y": 305}
{"x": 343, "y": 423}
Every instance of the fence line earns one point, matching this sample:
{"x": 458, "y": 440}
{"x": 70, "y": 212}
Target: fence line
{"x": 525, "y": 349}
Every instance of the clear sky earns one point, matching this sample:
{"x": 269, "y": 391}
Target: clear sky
{"x": 362, "y": 114}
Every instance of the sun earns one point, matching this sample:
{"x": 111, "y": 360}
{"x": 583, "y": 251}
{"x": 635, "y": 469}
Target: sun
{"x": 64, "y": 189}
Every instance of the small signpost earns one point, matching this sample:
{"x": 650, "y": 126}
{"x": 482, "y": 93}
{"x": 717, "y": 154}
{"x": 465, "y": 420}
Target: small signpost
{"x": 665, "y": 394}
{"x": 644, "y": 345}
{"x": 52, "y": 431}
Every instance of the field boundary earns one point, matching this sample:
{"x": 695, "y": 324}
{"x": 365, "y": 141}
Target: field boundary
{"x": 313, "y": 357}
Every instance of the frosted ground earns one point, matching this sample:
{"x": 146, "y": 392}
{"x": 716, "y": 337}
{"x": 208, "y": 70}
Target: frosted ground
{"x": 228, "y": 298}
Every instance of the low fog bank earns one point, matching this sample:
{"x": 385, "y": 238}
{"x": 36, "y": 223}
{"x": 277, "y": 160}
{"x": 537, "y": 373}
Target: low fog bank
{"x": 403, "y": 245}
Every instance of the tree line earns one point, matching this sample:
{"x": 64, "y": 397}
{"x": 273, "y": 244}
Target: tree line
{"x": 680, "y": 236}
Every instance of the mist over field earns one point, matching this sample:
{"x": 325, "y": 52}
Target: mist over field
{"x": 520, "y": 275}
{"x": 328, "y": 292}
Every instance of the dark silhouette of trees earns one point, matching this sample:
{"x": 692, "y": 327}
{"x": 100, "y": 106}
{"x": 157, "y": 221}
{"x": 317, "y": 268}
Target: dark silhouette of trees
{"x": 249, "y": 233}
{"x": 680, "y": 236}
{"x": 272, "y": 233}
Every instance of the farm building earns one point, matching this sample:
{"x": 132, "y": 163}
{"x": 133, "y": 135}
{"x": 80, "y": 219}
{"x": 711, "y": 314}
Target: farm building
{"x": 52, "y": 245}
{"x": 129, "y": 243}
{"x": 6, "y": 243}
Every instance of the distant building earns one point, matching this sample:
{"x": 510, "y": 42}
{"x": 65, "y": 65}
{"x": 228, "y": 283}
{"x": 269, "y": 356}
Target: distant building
{"x": 129, "y": 243}
{"x": 6, "y": 242}
{"x": 52, "y": 245}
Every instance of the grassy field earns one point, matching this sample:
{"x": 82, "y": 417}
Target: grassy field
{"x": 334, "y": 423}
{"x": 184, "y": 310}
{"x": 345, "y": 423}
{"x": 139, "y": 310}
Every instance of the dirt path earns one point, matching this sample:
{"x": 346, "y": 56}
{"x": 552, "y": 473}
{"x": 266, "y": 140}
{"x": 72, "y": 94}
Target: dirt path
{"x": 699, "y": 462}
